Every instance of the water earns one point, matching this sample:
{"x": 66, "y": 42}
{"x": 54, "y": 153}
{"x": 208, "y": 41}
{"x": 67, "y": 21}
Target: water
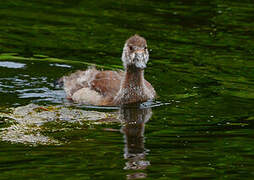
{"x": 201, "y": 65}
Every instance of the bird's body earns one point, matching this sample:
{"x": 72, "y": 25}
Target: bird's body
{"x": 109, "y": 88}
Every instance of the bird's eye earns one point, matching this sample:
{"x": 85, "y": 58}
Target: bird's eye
{"x": 145, "y": 48}
{"x": 131, "y": 48}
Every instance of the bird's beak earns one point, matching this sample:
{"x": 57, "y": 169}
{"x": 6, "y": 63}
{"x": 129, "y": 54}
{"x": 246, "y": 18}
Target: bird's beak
{"x": 139, "y": 59}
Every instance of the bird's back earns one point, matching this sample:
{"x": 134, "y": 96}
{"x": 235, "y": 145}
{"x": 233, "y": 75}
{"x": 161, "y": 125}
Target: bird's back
{"x": 92, "y": 86}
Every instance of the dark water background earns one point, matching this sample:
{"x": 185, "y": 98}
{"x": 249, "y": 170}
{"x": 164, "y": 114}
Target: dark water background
{"x": 201, "y": 63}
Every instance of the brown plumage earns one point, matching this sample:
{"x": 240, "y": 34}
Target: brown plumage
{"x": 113, "y": 87}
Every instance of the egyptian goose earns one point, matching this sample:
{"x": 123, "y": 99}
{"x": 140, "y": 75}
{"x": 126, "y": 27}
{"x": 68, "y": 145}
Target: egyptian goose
{"x": 113, "y": 88}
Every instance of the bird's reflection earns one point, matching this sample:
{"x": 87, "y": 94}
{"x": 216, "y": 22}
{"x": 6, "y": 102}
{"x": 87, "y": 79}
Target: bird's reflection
{"x": 133, "y": 128}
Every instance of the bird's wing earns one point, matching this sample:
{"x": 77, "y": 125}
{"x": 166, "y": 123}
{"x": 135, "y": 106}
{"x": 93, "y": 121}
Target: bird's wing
{"x": 107, "y": 83}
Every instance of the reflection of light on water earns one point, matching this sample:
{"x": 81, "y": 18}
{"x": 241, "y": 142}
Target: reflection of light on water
{"x": 42, "y": 94}
{"x": 36, "y": 88}
{"x": 27, "y": 122}
{"x": 60, "y": 65}
{"x": 150, "y": 104}
{"x": 9, "y": 64}
{"x": 20, "y": 134}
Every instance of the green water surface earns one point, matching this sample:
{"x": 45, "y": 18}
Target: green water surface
{"x": 201, "y": 65}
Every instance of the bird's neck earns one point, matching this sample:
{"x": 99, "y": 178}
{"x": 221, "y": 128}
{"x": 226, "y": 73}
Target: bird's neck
{"x": 134, "y": 78}
{"x": 132, "y": 87}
